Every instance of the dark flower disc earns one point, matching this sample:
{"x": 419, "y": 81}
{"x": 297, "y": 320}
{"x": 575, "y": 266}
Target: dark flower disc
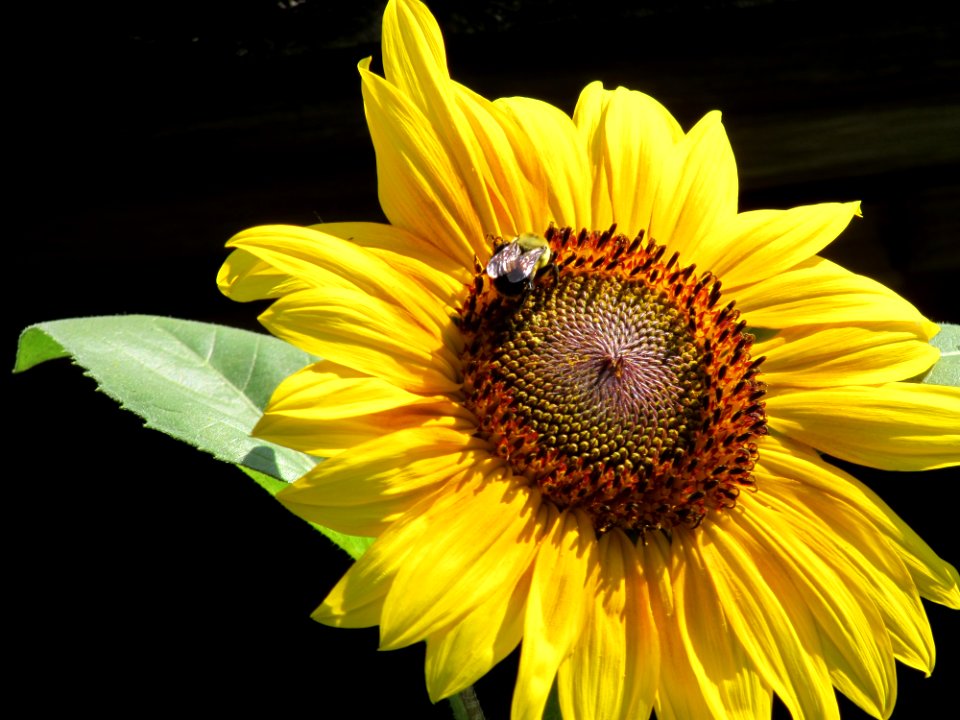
{"x": 617, "y": 383}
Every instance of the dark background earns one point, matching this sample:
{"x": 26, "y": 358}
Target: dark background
{"x": 145, "y": 134}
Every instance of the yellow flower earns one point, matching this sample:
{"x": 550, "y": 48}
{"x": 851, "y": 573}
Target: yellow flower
{"x": 593, "y": 456}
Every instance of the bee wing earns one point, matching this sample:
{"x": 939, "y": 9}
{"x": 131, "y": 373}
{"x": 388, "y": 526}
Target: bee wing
{"x": 523, "y": 268}
{"x": 502, "y": 262}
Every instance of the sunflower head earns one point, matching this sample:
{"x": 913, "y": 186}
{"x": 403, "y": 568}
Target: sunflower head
{"x": 550, "y": 379}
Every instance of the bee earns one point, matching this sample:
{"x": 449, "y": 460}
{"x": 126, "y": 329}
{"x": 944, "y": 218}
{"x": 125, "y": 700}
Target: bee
{"x": 516, "y": 264}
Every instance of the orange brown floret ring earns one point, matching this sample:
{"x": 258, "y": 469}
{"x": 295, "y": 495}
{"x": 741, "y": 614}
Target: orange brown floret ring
{"x": 617, "y": 383}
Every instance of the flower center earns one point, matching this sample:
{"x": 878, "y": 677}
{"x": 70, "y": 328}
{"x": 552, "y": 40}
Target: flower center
{"x": 612, "y": 380}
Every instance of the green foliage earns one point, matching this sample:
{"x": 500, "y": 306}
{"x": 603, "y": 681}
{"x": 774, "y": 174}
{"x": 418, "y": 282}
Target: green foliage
{"x": 947, "y": 369}
{"x": 552, "y": 711}
{"x": 203, "y": 384}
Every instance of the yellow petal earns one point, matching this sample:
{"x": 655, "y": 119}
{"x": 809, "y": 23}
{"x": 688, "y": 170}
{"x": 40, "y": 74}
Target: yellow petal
{"x": 848, "y": 542}
{"x": 325, "y": 398}
{"x": 641, "y": 651}
{"x": 842, "y": 609}
{"x": 818, "y": 292}
{"x": 362, "y": 491}
{"x": 414, "y": 58}
{"x": 461, "y": 655}
{"x": 554, "y": 140}
{"x": 466, "y": 126}
{"x": 554, "y": 615}
{"x": 515, "y": 181}
{"x": 619, "y": 641}
{"x": 896, "y": 426}
{"x": 434, "y": 270}
{"x": 892, "y": 591}
{"x": 376, "y": 337}
{"x": 657, "y": 556}
{"x": 682, "y": 695}
{"x": 706, "y": 671}
{"x": 698, "y": 191}
{"x": 936, "y": 579}
{"x": 588, "y": 117}
{"x": 322, "y": 392}
{"x": 431, "y": 202}
{"x": 842, "y": 356}
{"x": 638, "y": 137}
{"x": 630, "y": 138}
{"x": 751, "y": 589}
{"x": 357, "y": 600}
{"x": 322, "y": 260}
{"x": 758, "y": 244}
{"x": 329, "y": 436}
{"x": 244, "y": 277}
{"x": 466, "y": 557}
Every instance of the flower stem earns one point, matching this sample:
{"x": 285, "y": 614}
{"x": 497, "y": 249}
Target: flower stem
{"x": 466, "y": 706}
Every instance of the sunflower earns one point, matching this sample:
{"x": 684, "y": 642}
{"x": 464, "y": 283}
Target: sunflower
{"x": 581, "y": 402}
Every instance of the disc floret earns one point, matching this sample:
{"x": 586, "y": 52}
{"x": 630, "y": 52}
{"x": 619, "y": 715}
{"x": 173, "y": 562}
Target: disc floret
{"x": 619, "y": 384}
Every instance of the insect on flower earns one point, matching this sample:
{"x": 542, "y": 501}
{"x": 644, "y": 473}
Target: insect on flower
{"x": 515, "y": 265}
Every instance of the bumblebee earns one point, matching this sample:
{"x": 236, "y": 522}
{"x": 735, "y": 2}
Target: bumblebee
{"x": 516, "y": 264}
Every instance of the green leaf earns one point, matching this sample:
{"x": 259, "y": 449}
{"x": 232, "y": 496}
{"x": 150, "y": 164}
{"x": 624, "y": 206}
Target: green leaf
{"x": 354, "y": 545}
{"x": 203, "y": 384}
{"x": 947, "y": 369}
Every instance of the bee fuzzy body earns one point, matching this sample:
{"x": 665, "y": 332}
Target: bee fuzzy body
{"x": 516, "y": 264}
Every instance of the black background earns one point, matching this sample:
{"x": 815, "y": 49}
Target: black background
{"x": 145, "y": 575}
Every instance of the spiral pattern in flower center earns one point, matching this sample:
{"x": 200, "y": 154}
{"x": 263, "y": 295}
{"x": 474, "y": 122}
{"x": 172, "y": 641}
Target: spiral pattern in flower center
{"x": 616, "y": 384}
